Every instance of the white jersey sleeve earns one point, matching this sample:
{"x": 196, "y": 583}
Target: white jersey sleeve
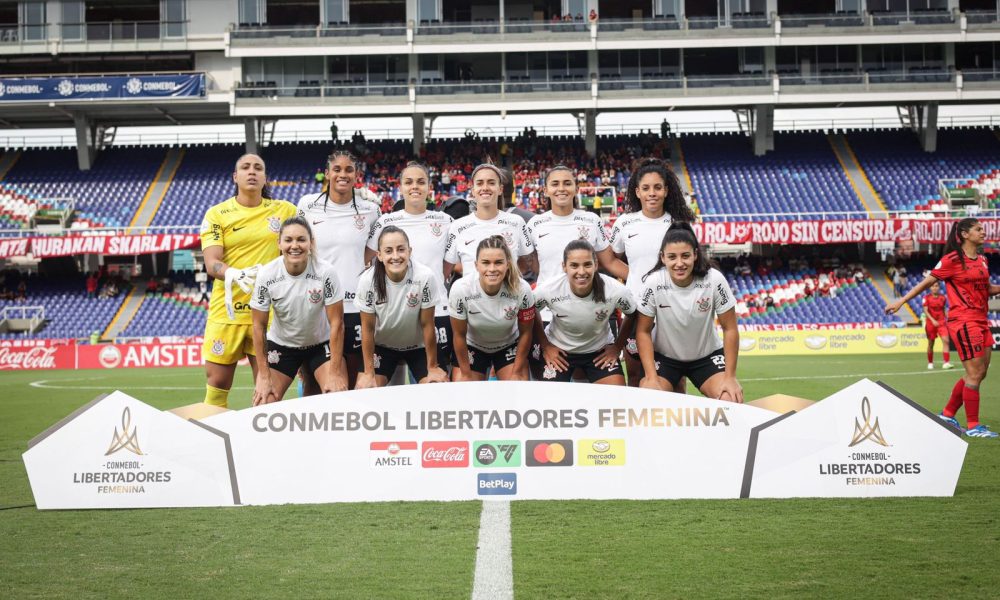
{"x": 724, "y": 299}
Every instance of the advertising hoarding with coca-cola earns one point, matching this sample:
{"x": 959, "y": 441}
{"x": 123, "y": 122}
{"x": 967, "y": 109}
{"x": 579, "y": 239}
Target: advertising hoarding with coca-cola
{"x": 498, "y": 440}
{"x": 67, "y": 354}
{"x": 37, "y": 355}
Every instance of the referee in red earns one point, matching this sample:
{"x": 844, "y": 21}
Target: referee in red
{"x": 964, "y": 269}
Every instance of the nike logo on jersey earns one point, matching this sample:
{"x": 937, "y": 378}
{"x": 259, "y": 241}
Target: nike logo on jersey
{"x": 238, "y": 228}
{"x": 561, "y": 316}
{"x": 475, "y": 312}
{"x": 469, "y": 242}
{"x": 541, "y": 235}
{"x": 664, "y": 306}
{"x": 632, "y": 235}
{"x": 318, "y": 222}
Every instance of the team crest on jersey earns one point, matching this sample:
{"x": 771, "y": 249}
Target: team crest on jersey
{"x": 584, "y": 231}
{"x": 704, "y": 304}
{"x": 436, "y": 229}
{"x": 509, "y": 313}
{"x": 412, "y": 299}
{"x": 508, "y": 238}
{"x": 359, "y": 222}
{"x": 218, "y": 347}
{"x": 273, "y": 357}
{"x": 315, "y": 296}
{"x": 274, "y": 224}
{"x": 601, "y": 314}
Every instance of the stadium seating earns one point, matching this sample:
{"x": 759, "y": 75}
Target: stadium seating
{"x": 176, "y": 313}
{"x": 68, "y": 311}
{"x": 906, "y": 177}
{"x": 105, "y": 196}
{"x": 802, "y": 174}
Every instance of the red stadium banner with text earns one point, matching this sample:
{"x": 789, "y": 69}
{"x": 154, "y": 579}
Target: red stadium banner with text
{"x": 930, "y": 231}
{"x": 24, "y": 355}
{"x": 116, "y": 356}
{"x": 107, "y": 245}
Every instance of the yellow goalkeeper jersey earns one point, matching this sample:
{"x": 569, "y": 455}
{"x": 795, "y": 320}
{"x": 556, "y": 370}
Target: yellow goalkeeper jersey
{"x": 248, "y": 236}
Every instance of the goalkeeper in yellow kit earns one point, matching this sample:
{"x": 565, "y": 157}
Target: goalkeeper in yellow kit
{"x": 237, "y": 236}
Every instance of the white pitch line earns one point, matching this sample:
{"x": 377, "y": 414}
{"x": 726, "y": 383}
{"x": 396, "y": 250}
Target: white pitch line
{"x": 494, "y": 579}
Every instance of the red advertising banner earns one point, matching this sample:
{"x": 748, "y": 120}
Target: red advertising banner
{"x": 37, "y": 357}
{"x": 931, "y": 231}
{"x": 127, "y": 356}
{"x": 107, "y": 245}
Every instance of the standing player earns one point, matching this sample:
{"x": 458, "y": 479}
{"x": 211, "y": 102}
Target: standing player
{"x": 308, "y": 325}
{"x": 936, "y": 325}
{"x": 564, "y": 223}
{"x": 487, "y": 220}
{"x": 397, "y": 303}
{"x": 582, "y": 301}
{"x": 428, "y": 233}
{"x": 492, "y": 315}
{"x": 342, "y": 223}
{"x": 683, "y": 296}
{"x": 653, "y": 201}
{"x": 965, "y": 271}
{"x": 237, "y": 236}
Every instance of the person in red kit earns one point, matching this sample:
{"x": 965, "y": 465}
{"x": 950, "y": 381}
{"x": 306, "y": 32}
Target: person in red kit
{"x": 965, "y": 271}
{"x": 936, "y": 326}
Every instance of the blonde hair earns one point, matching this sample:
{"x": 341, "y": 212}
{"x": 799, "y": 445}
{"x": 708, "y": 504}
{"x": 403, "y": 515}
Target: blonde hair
{"x": 513, "y": 277}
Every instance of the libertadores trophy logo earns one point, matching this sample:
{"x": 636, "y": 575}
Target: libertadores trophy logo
{"x": 125, "y": 440}
{"x": 867, "y": 430}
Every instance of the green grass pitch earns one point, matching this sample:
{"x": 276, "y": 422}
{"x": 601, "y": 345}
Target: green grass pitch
{"x": 887, "y": 548}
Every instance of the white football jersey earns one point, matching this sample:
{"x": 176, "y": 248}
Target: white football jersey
{"x": 492, "y": 320}
{"x": 428, "y": 233}
{"x": 638, "y": 237}
{"x": 685, "y": 317}
{"x": 341, "y": 232}
{"x": 467, "y": 232}
{"x": 580, "y": 325}
{"x": 397, "y": 318}
{"x": 299, "y": 302}
{"x": 550, "y": 233}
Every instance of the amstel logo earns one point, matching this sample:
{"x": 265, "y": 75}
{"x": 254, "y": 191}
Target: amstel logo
{"x": 867, "y": 430}
{"x": 125, "y": 440}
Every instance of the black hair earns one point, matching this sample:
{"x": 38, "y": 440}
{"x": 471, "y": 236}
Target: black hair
{"x": 265, "y": 192}
{"x": 681, "y": 232}
{"x": 513, "y": 277}
{"x": 379, "y": 266}
{"x": 598, "y": 285}
{"x": 416, "y": 165}
{"x": 954, "y": 242}
{"x": 673, "y": 204}
{"x": 326, "y": 185}
{"x": 545, "y": 181}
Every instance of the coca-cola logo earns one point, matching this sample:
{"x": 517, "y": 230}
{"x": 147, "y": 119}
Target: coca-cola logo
{"x": 29, "y": 358}
{"x": 110, "y": 357}
{"x": 445, "y": 455}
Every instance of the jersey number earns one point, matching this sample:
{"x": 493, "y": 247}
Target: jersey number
{"x": 719, "y": 360}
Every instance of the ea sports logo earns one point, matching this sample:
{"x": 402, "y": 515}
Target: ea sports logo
{"x": 110, "y": 357}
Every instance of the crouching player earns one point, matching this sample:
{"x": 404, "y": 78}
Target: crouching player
{"x": 308, "y": 325}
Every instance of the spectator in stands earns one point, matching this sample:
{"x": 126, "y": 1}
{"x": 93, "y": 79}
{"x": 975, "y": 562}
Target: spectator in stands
{"x": 92, "y": 285}
{"x": 152, "y": 286}
{"x": 319, "y": 176}
{"x": 22, "y": 291}
{"x": 665, "y": 129}
{"x": 203, "y": 289}
{"x": 768, "y": 300}
{"x": 333, "y": 131}
{"x": 593, "y": 15}
{"x": 898, "y": 281}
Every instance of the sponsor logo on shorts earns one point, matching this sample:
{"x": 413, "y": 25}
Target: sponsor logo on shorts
{"x": 392, "y": 455}
{"x": 496, "y": 484}
{"x": 600, "y": 453}
{"x": 549, "y": 453}
{"x": 496, "y": 453}
{"x": 438, "y": 455}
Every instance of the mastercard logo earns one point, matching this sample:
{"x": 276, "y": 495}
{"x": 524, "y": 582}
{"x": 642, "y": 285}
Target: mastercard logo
{"x": 549, "y": 453}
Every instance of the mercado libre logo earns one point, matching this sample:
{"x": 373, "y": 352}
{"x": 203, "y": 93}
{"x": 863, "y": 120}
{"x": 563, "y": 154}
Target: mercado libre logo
{"x": 496, "y": 454}
{"x": 549, "y": 453}
{"x": 865, "y": 429}
{"x": 601, "y": 453}
{"x": 125, "y": 440}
